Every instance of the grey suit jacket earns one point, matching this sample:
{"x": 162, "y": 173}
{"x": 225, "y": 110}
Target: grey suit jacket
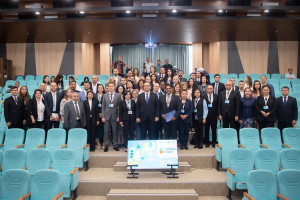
{"x": 202, "y": 89}
{"x": 70, "y": 115}
{"x": 113, "y": 112}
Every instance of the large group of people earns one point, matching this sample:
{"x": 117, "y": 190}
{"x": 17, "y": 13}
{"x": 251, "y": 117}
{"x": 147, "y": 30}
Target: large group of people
{"x": 159, "y": 103}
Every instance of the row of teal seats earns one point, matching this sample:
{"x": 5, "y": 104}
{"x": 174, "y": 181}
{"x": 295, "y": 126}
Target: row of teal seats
{"x": 64, "y": 161}
{"x": 56, "y": 139}
{"x": 40, "y": 77}
{"x": 253, "y": 76}
{"x": 249, "y": 139}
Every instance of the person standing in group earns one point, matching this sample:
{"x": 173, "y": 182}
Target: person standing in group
{"x": 264, "y": 82}
{"x": 110, "y": 115}
{"x": 200, "y": 115}
{"x": 202, "y": 87}
{"x": 120, "y": 66}
{"x": 169, "y": 77}
{"x": 59, "y": 82}
{"x": 121, "y": 90}
{"x": 127, "y": 114}
{"x": 242, "y": 88}
{"x": 135, "y": 94}
{"x": 83, "y": 94}
{"x": 100, "y": 129}
{"x": 169, "y": 103}
{"x": 167, "y": 65}
{"x": 52, "y": 106}
{"x": 185, "y": 120}
{"x": 36, "y": 110}
{"x": 248, "y": 82}
{"x": 212, "y": 101}
{"x": 14, "y": 110}
{"x": 234, "y": 87}
{"x": 287, "y": 112}
{"x": 180, "y": 76}
{"x": 147, "y": 112}
{"x": 247, "y": 110}
{"x": 92, "y": 118}
{"x": 94, "y": 84}
{"x": 74, "y": 113}
{"x": 158, "y": 129}
{"x": 47, "y": 83}
{"x": 23, "y": 94}
{"x": 266, "y": 107}
{"x": 218, "y": 86}
{"x": 229, "y": 106}
{"x": 256, "y": 89}
{"x": 67, "y": 98}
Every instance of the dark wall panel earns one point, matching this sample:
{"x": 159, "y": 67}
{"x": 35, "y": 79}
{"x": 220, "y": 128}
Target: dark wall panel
{"x": 67, "y": 63}
{"x": 273, "y": 62}
{"x": 30, "y": 66}
{"x": 234, "y": 61}
{"x": 298, "y": 68}
{"x": 2, "y": 50}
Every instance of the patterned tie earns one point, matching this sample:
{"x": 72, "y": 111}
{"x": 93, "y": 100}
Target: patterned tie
{"x": 77, "y": 111}
{"x": 16, "y": 100}
{"x": 147, "y": 97}
{"x": 168, "y": 100}
{"x": 216, "y": 88}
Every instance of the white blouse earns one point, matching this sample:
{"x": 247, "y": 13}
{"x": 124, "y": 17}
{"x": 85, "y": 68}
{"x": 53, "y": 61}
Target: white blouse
{"x": 40, "y": 110}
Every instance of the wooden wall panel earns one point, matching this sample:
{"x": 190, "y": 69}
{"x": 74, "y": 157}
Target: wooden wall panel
{"x": 48, "y": 57}
{"x": 197, "y": 55}
{"x": 88, "y": 61}
{"x": 205, "y": 56}
{"x": 104, "y": 58}
{"x": 223, "y": 57}
{"x": 288, "y": 56}
{"x": 214, "y": 57}
{"x": 16, "y": 52}
{"x": 254, "y": 56}
{"x": 78, "y": 59}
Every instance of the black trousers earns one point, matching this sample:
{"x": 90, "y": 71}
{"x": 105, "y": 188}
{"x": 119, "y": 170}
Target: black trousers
{"x": 265, "y": 124}
{"x": 170, "y": 130}
{"x": 228, "y": 122}
{"x": 158, "y": 130}
{"x": 128, "y": 131}
{"x": 150, "y": 126}
{"x": 199, "y": 131}
{"x": 52, "y": 123}
{"x": 91, "y": 133}
{"x": 211, "y": 122}
{"x": 15, "y": 126}
{"x": 37, "y": 124}
{"x": 283, "y": 125}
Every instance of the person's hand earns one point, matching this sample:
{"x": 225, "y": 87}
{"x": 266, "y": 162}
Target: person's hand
{"x": 121, "y": 123}
{"x": 220, "y": 117}
{"x": 57, "y": 119}
{"x": 236, "y": 118}
{"x": 117, "y": 120}
{"x": 24, "y": 122}
{"x": 156, "y": 119}
{"x": 52, "y": 118}
{"x": 240, "y": 121}
{"x": 294, "y": 122}
{"x": 103, "y": 120}
{"x": 173, "y": 119}
{"x": 98, "y": 123}
{"x": 138, "y": 120}
{"x": 100, "y": 115}
{"x": 204, "y": 121}
{"x": 8, "y": 124}
{"x": 33, "y": 121}
{"x": 276, "y": 122}
{"x": 267, "y": 115}
{"x": 163, "y": 116}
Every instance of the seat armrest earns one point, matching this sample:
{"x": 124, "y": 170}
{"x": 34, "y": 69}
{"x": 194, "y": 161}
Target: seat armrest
{"x": 19, "y": 146}
{"x": 1, "y": 145}
{"x": 248, "y": 196}
{"x": 219, "y": 146}
{"x": 231, "y": 171}
{"x": 58, "y": 196}
{"x": 243, "y": 146}
{"x": 63, "y": 146}
{"x": 42, "y": 145}
{"x": 285, "y": 145}
{"x": 1, "y": 168}
{"x": 25, "y": 168}
{"x": 280, "y": 168}
{"x": 74, "y": 170}
{"x": 85, "y": 146}
{"x": 282, "y": 197}
{"x": 25, "y": 196}
{"x": 263, "y": 145}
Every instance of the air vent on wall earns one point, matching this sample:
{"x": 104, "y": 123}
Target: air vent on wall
{"x": 226, "y": 14}
{"x": 239, "y": 2}
{"x": 121, "y": 3}
{"x": 180, "y": 2}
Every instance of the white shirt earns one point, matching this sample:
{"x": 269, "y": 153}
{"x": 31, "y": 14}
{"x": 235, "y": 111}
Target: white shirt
{"x": 287, "y": 97}
{"x": 77, "y": 107}
{"x": 292, "y": 76}
{"x": 210, "y": 97}
{"x": 90, "y": 103}
{"x": 242, "y": 93}
{"x": 94, "y": 87}
{"x": 40, "y": 110}
{"x": 228, "y": 93}
{"x": 266, "y": 99}
{"x": 148, "y": 65}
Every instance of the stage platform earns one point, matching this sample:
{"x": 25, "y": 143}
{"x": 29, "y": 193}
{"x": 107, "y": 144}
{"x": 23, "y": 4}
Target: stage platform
{"x": 198, "y": 179}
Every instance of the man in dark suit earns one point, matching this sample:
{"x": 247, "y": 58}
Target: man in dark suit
{"x": 43, "y": 88}
{"x": 168, "y": 103}
{"x": 52, "y": 107}
{"x": 162, "y": 73}
{"x": 218, "y": 87}
{"x": 147, "y": 112}
{"x": 180, "y": 76}
{"x": 198, "y": 79}
{"x": 212, "y": 116}
{"x": 264, "y": 80}
{"x": 229, "y": 106}
{"x": 287, "y": 110}
{"x": 158, "y": 129}
{"x": 241, "y": 88}
{"x": 234, "y": 87}
{"x": 14, "y": 110}
{"x": 82, "y": 94}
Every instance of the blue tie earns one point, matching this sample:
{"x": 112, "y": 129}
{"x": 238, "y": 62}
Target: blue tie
{"x": 284, "y": 101}
{"x": 147, "y": 98}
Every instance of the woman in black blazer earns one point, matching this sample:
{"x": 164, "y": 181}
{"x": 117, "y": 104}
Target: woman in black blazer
{"x": 127, "y": 116}
{"x": 36, "y": 110}
{"x": 92, "y": 118}
{"x": 265, "y": 106}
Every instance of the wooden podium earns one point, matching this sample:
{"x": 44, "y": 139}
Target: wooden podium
{"x": 5, "y": 71}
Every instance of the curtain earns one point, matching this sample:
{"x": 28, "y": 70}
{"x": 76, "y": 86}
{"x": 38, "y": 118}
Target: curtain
{"x": 135, "y": 55}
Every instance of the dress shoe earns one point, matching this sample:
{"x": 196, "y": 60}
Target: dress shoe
{"x": 106, "y": 149}
{"x": 207, "y": 145}
{"x": 200, "y": 146}
{"x": 213, "y": 145}
{"x": 186, "y": 148}
{"x": 196, "y": 146}
{"x": 116, "y": 148}
{"x": 181, "y": 147}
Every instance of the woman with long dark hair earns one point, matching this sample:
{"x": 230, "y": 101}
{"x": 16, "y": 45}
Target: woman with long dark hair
{"x": 60, "y": 82}
{"x": 25, "y": 96}
{"x": 47, "y": 83}
{"x": 100, "y": 128}
{"x": 36, "y": 110}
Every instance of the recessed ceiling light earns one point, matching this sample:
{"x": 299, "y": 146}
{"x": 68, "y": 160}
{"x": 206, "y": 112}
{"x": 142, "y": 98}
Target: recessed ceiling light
{"x": 267, "y": 11}
{"x": 128, "y": 11}
{"x": 220, "y": 11}
{"x": 37, "y": 13}
{"x": 81, "y": 12}
{"x": 174, "y": 11}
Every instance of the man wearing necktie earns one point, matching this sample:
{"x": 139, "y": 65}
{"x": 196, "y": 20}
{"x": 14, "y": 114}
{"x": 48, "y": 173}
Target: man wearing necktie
{"x": 158, "y": 129}
{"x": 14, "y": 110}
{"x": 287, "y": 111}
{"x": 218, "y": 86}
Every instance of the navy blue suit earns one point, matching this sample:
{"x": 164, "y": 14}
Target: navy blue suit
{"x": 186, "y": 109}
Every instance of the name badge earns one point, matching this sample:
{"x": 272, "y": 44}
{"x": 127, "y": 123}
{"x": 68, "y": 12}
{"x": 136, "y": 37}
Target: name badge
{"x": 111, "y": 105}
{"x": 130, "y": 112}
{"x": 227, "y": 101}
{"x": 210, "y": 105}
{"x": 195, "y": 110}
{"x": 99, "y": 105}
{"x": 266, "y": 107}
{"x": 182, "y": 110}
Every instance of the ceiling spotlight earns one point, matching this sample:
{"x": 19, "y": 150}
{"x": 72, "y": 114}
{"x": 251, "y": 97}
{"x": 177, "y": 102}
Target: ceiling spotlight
{"x": 81, "y": 12}
{"x": 267, "y": 11}
{"x": 174, "y": 11}
{"x": 37, "y": 13}
{"x": 127, "y": 11}
{"x": 220, "y": 11}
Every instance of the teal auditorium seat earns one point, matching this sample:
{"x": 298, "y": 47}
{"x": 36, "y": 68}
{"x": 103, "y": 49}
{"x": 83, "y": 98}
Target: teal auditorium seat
{"x": 291, "y": 137}
{"x": 262, "y": 185}
{"x": 29, "y": 77}
{"x": 283, "y": 76}
{"x": 34, "y": 138}
{"x": 267, "y": 159}
{"x": 15, "y": 184}
{"x": 2, "y": 133}
{"x": 44, "y": 185}
{"x": 227, "y": 141}
{"x": 290, "y": 159}
{"x": 187, "y": 76}
{"x": 275, "y": 76}
{"x": 295, "y": 82}
{"x": 267, "y": 75}
{"x": 223, "y": 76}
{"x": 56, "y": 139}
{"x": 283, "y": 82}
{"x": 212, "y": 78}
{"x": 3, "y": 123}
{"x": 1, "y": 157}
{"x": 14, "y": 159}
{"x": 271, "y": 139}
{"x": 275, "y": 83}
{"x": 254, "y": 77}
{"x": 22, "y": 83}
{"x": 289, "y": 184}
{"x": 13, "y": 137}
{"x": 77, "y": 141}
{"x": 103, "y": 78}
{"x": 71, "y": 75}
{"x": 40, "y": 78}
{"x": 9, "y": 82}
{"x": 240, "y": 163}
{"x": 19, "y": 78}
{"x": 38, "y": 159}
{"x": 249, "y": 139}
{"x": 32, "y": 83}
{"x": 90, "y": 77}
{"x": 64, "y": 161}
{"x": 1, "y": 89}
{"x": 242, "y": 76}
{"x": 233, "y": 76}
{"x": 296, "y": 88}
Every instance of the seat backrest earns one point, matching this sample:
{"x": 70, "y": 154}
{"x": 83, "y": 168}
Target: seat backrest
{"x": 14, "y": 159}
{"x": 241, "y": 160}
{"x": 29, "y": 77}
{"x": 56, "y": 137}
{"x": 271, "y": 137}
{"x": 9, "y": 82}
{"x": 254, "y": 77}
{"x": 1, "y": 156}
{"x": 14, "y": 184}
{"x": 77, "y": 138}
{"x": 34, "y": 137}
{"x": 227, "y": 138}
{"x": 32, "y": 83}
{"x": 275, "y": 76}
{"x": 2, "y": 132}
{"x": 38, "y": 159}
{"x": 290, "y": 159}
{"x": 232, "y": 76}
{"x": 296, "y": 94}
{"x": 267, "y": 159}
{"x": 262, "y": 185}
{"x": 250, "y": 138}
{"x": 13, "y": 137}
{"x": 289, "y": 183}
{"x": 284, "y": 82}
{"x": 274, "y": 82}
{"x": 223, "y": 76}
{"x": 64, "y": 161}
{"x": 291, "y": 136}
{"x": 295, "y": 82}
{"x": 267, "y": 75}
{"x": 296, "y": 87}
{"x": 45, "y": 184}
{"x": 242, "y": 76}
